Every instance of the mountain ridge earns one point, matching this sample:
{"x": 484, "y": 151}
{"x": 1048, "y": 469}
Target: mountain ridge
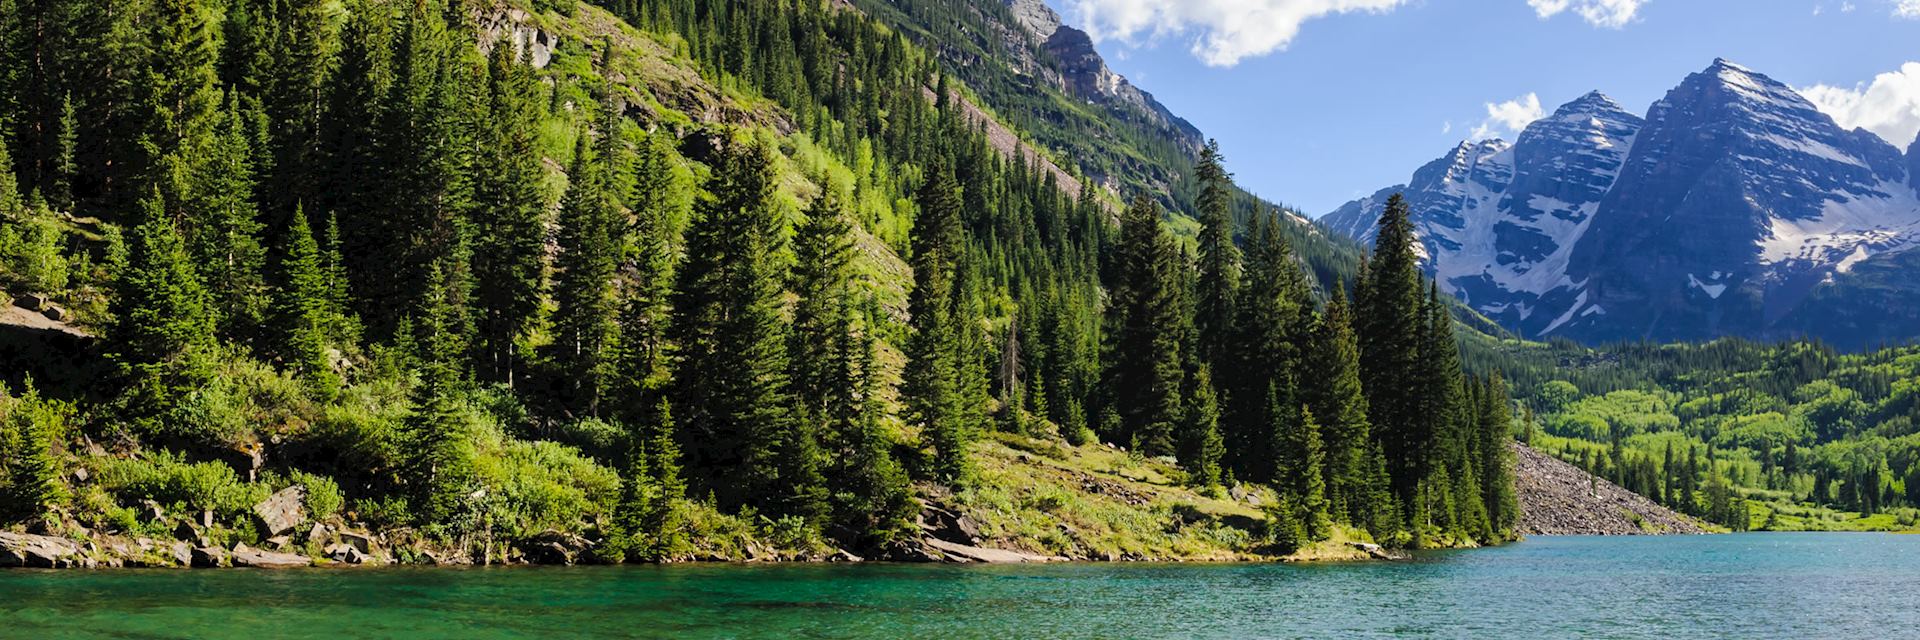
{"x": 1733, "y": 208}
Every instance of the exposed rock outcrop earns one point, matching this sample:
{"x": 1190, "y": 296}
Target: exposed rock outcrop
{"x": 1557, "y": 498}
{"x": 44, "y": 552}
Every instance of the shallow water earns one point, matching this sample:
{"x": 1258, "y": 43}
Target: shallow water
{"x": 1788, "y": 585}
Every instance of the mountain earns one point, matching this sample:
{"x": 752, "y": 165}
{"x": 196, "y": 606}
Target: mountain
{"x": 1735, "y": 207}
{"x": 1044, "y": 79}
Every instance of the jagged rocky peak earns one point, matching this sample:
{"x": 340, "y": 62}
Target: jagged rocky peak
{"x": 1594, "y": 102}
{"x": 1735, "y": 207}
{"x": 1036, "y": 17}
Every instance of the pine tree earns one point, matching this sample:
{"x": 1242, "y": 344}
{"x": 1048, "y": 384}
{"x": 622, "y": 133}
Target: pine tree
{"x": 650, "y": 520}
{"x": 162, "y": 327}
{"x": 221, "y": 222}
{"x": 933, "y": 378}
{"x": 1391, "y": 327}
{"x": 647, "y": 270}
{"x": 1496, "y": 457}
{"x": 731, "y": 389}
{"x": 1219, "y": 279}
{"x": 1274, "y": 306}
{"x": 1144, "y": 327}
{"x": 1202, "y": 447}
{"x": 180, "y": 81}
{"x": 583, "y": 287}
{"x": 1335, "y": 396}
{"x": 440, "y": 470}
{"x": 306, "y": 316}
{"x": 873, "y": 498}
{"x": 510, "y": 207}
{"x": 823, "y": 257}
{"x": 303, "y": 48}
{"x": 29, "y": 425}
{"x": 1304, "y": 475}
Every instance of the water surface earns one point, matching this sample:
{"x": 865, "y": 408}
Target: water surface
{"x": 1785, "y": 585}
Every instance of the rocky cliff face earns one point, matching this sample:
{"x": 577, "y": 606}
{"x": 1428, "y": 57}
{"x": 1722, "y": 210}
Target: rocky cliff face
{"x": 1734, "y": 208}
{"x": 1083, "y": 73}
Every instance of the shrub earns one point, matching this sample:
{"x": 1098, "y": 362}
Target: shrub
{"x": 167, "y": 478}
{"x": 535, "y": 486}
{"x": 30, "y": 253}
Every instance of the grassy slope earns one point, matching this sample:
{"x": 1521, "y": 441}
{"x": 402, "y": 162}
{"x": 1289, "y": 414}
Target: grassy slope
{"x": 1096, "y": 502}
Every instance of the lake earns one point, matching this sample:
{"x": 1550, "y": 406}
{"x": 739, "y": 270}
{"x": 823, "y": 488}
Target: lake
{"x": 1790, "y": 585}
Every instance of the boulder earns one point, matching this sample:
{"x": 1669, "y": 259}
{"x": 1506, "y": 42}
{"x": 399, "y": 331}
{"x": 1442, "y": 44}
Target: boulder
{"x": 56, "y": 313}
{"x": 949, "y": 526}
{"x": 359, "y": 540}
{"x": 181, "y": 553}
{"x": 208, "y": 557}
{"x": 283, "y": 510}
{"x": 152, "y": 511}
{"x": 46, "y": 552}
{"x": 843, "y": 555}
{"x": 346, "y": 554}
{"x": 244, "y": 556}
{"x": 318, "y": 533}
{"x": 553, "y": 547}
{"x": 1378, "y": 552}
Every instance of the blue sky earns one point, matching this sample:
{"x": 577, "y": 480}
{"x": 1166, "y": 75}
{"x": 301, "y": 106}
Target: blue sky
{"x": 1355, "y": 100}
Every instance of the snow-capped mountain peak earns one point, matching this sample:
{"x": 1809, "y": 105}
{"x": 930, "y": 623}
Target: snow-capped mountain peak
{"x": 1723, "y": 211}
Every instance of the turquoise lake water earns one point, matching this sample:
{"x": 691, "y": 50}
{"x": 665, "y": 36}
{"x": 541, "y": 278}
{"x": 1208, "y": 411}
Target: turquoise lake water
{"x": 1772, "y": 585}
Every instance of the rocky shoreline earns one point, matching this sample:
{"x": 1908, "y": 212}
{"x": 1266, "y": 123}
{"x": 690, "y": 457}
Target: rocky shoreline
{"x": 1557, "y": 499}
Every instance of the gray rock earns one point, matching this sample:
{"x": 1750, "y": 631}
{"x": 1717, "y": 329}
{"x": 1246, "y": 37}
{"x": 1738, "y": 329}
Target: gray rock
{"x": 181, "y": 553}
{"x": 359, "y": 540}
{"x": 346, "y": 554}
{"x": 283, "y": 511}
{"x": 318, "y": 533}
{"x": 46, "y": 552}
{"x": 208, "y": 557}
{"x": 244, "y": 556}
{"x": 553, "y": 547}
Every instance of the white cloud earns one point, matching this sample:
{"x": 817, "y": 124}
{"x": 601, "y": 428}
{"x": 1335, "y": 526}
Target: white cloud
{"x": 1611, "y": 14}
{"x": 1509, "y": 117}
{"x": 1889, "y": 106}
{"x": 1224, "y": 31}
{"x": 1907, "y": 9}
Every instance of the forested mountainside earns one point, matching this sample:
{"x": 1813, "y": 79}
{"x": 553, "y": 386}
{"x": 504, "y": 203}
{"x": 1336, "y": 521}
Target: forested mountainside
{"x": 1045, "y": 78}
{"x": 1790, "y": 436}
{"x": 658, "y": 280}
{"x": 1734, "y": 208}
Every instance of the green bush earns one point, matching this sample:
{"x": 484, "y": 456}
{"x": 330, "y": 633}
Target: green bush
{"x": 245, "y": 400}
{"x": 535, "y": 486}
{"x": 167, "y": 478}
{"x": 30, "y": 255}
